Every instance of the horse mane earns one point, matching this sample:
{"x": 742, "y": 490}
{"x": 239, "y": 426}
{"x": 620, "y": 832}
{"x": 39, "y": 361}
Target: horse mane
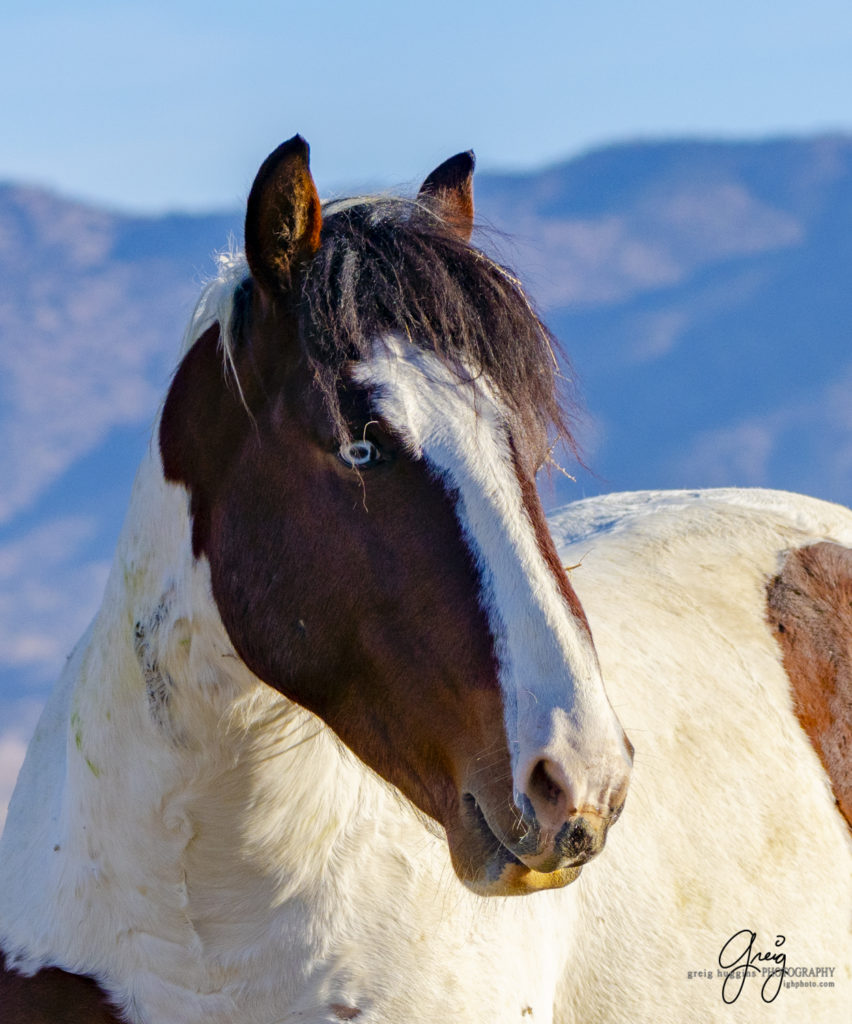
{"x": 389, "y": 266}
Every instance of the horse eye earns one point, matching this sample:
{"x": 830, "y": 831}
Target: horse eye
{"x": 359, "y": 453}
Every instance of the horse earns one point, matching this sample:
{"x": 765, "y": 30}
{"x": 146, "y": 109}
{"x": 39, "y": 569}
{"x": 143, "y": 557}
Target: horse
{"x": 337, "y": 744}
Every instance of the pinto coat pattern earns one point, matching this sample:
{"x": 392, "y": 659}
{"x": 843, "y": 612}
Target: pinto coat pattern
{"x": 341, "y": 699}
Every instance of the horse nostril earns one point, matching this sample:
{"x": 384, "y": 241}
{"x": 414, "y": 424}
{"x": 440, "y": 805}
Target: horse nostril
{"x": 543, "y": 783}
{"x": 548, "y": 792}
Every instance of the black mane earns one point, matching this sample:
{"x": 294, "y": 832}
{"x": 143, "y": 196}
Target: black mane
{"x": 388, "y": 265}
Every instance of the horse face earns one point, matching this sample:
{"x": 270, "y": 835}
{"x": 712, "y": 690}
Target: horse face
{"x": 403, "y": 586}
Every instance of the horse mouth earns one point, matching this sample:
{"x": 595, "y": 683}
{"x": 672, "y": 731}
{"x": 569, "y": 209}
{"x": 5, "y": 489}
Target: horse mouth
{"x": 488, "y": 867}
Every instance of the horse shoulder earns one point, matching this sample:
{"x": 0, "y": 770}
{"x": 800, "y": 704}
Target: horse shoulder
{"x": 52, "y": 996}
{"x": 809, "y": 607}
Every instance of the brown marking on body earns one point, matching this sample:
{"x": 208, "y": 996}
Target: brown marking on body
{"x": 810, "y": 612}
{"x": 52, "y": 996}
{"x": 344, "y": 1012}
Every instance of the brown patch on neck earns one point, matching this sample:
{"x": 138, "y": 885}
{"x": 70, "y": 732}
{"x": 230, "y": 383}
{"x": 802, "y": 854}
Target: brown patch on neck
{"x": 810, "y": 611}
{"x": 52, "y": 996}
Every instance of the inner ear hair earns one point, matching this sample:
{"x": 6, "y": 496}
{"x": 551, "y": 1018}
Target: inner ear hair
{"x": 448, "y": 192}
{"x": 283, "y": 217}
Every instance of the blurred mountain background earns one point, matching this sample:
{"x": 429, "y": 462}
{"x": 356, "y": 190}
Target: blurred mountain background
{"x": 701, "y": 291}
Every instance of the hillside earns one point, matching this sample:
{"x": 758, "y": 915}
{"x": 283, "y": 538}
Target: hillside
{"x": 702, "y": 291}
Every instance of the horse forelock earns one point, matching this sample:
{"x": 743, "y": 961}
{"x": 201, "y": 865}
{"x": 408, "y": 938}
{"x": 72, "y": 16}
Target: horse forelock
{"x": 389, "y": 265}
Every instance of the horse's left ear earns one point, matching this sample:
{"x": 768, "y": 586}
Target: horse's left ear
{"x": 283, "y": 217}
{"x": 449, "y": 192}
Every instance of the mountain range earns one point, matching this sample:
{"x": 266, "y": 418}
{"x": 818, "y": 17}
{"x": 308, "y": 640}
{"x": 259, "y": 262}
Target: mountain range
{"x": 700, "y": 291}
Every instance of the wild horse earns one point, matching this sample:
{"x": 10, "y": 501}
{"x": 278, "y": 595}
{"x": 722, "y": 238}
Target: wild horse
{"x": 341, "y": 688}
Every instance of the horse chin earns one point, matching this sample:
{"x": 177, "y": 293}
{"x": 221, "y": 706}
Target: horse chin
{"x": 488, "y": 868}
{"x": 512, "y": 878}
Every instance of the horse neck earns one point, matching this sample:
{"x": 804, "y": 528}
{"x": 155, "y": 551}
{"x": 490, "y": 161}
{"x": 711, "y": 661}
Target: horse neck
{"x": 159, "y": 667}
{"x": 178, "y": 779}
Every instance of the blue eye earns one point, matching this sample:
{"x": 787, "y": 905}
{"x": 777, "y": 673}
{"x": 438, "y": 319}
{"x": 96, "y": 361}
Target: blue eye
{"x": 359, "y": 453}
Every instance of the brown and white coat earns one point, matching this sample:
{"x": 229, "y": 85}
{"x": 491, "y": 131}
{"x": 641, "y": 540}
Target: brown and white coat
{"x": 337, "y": 673}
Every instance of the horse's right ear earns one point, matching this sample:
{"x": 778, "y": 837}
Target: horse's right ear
{"x": 283, "y": 217}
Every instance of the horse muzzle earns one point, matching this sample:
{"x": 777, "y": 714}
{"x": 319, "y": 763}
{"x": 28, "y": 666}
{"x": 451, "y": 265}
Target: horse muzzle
{"x": 541, "y": 838}
{"x": 562, "y": 823}
{"x": 493, "y": 861}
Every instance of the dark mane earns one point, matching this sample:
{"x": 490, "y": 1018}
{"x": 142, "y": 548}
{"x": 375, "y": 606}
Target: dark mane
{"x": 388, "y": 265}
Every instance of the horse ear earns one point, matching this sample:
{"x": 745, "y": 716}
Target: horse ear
{"x": 283, "y": 217}
{"x": 448, "y": 191}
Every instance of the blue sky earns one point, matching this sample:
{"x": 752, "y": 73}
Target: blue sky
{"x": 154, "y": 105}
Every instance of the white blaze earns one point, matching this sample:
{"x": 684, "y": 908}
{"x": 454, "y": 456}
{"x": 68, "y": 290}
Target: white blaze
{"x": 556, "y": 708}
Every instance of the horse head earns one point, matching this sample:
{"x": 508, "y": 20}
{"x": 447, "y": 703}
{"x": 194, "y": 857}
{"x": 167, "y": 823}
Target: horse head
{"x": 360, "y": 444}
